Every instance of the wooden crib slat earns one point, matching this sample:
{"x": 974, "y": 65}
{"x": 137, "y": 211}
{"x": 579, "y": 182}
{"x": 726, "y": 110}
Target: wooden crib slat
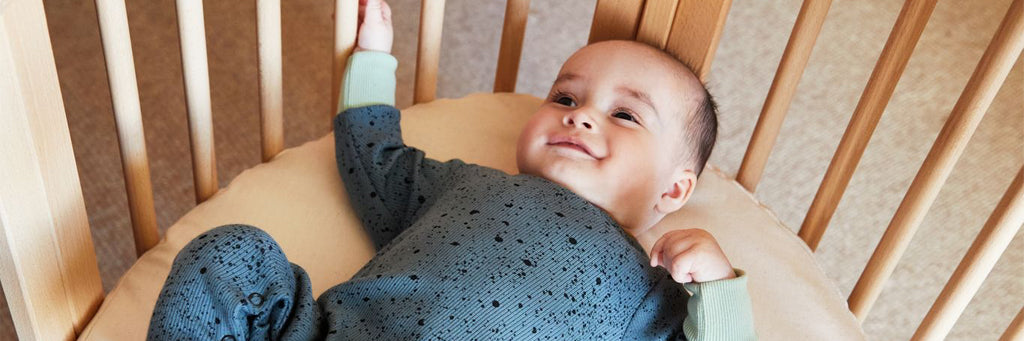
{"x": 429, "y": 53}
{"x": 1015, "y": 331}
{"x": 511, "y": 50}
{"x": 696, "y": 29}
{"x": 887, "y": 72}
{"x": 990, "y": 243}
{"x": 988, "y": 77}
{"x": 268, "y": 31}
{"x": 124, "y": 93}
{"x": 787, "y": 77}
{"x": 656, "y": 22}
{"x": 192, "y": 33}
{"x": 50, "y": 274}
{"x": 615, "y": 20}
{"x": 346, "y": 19}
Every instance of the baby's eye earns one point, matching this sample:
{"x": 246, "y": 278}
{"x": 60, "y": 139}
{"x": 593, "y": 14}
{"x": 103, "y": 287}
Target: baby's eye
{"x": 624, "y": 115}
{"x": 565, "y": 100}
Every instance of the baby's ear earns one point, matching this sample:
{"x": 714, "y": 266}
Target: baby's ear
{"x": 678, "y": 192}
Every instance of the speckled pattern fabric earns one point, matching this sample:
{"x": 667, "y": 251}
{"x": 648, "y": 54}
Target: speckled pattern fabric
{"x": 465, "y": 252}
{"x": 234, "y": 283}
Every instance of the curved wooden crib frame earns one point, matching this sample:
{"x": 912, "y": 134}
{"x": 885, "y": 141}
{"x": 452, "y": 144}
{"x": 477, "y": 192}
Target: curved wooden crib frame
{"x": 49, "y": 269}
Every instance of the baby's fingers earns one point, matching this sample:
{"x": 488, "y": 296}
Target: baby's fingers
{"x": 680, "y": 265}
{"x": 656, "y": 251}
{"x": 385, "y": 12}
{"x": 667, "y": 241}
{"x": 373, "y": 11}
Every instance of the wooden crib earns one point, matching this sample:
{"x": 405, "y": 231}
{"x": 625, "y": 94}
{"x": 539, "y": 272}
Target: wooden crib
{"x": 49, "y": 267}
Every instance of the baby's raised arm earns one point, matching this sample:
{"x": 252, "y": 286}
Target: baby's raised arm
{"x": 387, "y": 182}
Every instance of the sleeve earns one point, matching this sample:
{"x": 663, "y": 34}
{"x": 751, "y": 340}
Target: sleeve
{"x": 369, "y": 79}
{"x": 387, "y": 182}
{"x": 716, "y": 310}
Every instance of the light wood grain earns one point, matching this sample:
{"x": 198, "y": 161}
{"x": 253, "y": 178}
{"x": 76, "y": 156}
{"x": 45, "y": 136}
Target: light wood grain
{"x": 124, "y": 93}
{"x": 194, "y": 64}
{"x": 429, "y": 52}
{"x": 988, "y": 77}
{"x": 696, "y": 30}
{"x": 990, "y": 243}
{"x": 900, "y": 45}
{"x": 656, "y": 22}
{"x": 511, "y": 49}
{"x": 1015, "y": 331}
{"x": 780, "y": 95}
{"x": 615, "y": 20}
{"x": 47, "y": 262}
{"x": 268, "y": 32}
{"x": 346, "y": 21}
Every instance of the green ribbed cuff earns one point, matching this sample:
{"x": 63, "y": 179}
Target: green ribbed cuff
{"x": 369, "y": 79}
{"x": 720, "y": 310}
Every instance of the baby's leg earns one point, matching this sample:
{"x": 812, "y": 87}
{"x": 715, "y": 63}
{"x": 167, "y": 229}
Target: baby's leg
{"x": 234, "y": 283}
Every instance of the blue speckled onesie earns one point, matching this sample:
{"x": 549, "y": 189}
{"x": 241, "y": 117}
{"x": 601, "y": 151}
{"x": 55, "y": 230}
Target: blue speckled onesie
{"x": 465, "y": 252}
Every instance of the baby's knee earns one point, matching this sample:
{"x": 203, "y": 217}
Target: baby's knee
{"x": 234, "y": 232}
{"x": 231, "y": 238}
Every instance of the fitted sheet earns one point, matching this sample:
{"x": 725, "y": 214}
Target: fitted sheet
{"x": 299, "y": 199}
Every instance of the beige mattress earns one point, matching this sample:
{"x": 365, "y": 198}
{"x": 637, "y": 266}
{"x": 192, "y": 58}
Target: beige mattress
{"x": 299, "y": 199}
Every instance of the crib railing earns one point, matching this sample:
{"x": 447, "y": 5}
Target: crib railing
{"x": 196, "y": 76}
{"x": 989, "y": 75}
{"x": 49, "y": 265}
{"x": 47, "y": 261}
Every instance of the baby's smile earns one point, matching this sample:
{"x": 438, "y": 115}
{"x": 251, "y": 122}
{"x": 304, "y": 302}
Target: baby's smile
{"x": 572, "y": 147}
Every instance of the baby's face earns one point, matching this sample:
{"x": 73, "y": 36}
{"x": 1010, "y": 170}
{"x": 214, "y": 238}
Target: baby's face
{"x": 609, "y": 128}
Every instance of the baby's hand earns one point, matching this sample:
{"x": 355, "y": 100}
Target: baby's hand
{"x": 375, "y": 31}
{"x": 691, "y": 255}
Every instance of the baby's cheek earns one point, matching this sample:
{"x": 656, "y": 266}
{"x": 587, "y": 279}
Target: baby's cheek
{"x": 636, "y": 177}
{"x": 526, "y": 156}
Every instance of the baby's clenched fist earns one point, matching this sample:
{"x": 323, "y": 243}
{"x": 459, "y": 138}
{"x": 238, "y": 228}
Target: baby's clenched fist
{"x": 691, "y": 255}
{"x": 375, "y": 30}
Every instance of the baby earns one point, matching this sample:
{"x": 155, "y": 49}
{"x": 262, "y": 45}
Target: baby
{"x": 467, "y": 252}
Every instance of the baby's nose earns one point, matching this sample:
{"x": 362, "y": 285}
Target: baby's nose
{"x": 585, "y": 124}
{"x": 574, "y": 119}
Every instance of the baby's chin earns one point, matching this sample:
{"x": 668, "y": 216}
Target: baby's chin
{"x": 564, "y": 178}
{"x": 531, "y": 169}
{"x": 565, "y": 173}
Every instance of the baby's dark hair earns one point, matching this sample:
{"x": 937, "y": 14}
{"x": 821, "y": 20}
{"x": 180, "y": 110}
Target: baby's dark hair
{"x": 700, "y": 130}
{"x": 700, "y": 126}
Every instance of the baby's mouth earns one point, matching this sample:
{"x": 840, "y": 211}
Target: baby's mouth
{"x": 573, "y": 144}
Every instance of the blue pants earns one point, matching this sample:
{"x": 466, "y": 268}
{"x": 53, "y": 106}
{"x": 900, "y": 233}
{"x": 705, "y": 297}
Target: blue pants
{"x": 234, "y": 283}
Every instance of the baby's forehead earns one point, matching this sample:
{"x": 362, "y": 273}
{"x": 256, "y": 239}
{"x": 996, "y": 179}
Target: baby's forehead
{"x": 634, "y": 66}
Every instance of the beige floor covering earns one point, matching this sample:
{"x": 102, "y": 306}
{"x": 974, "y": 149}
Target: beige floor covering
{"x": 752, "y": 43}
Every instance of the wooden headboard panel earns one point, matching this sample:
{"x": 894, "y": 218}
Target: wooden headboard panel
{"x": 687, "y": 29}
